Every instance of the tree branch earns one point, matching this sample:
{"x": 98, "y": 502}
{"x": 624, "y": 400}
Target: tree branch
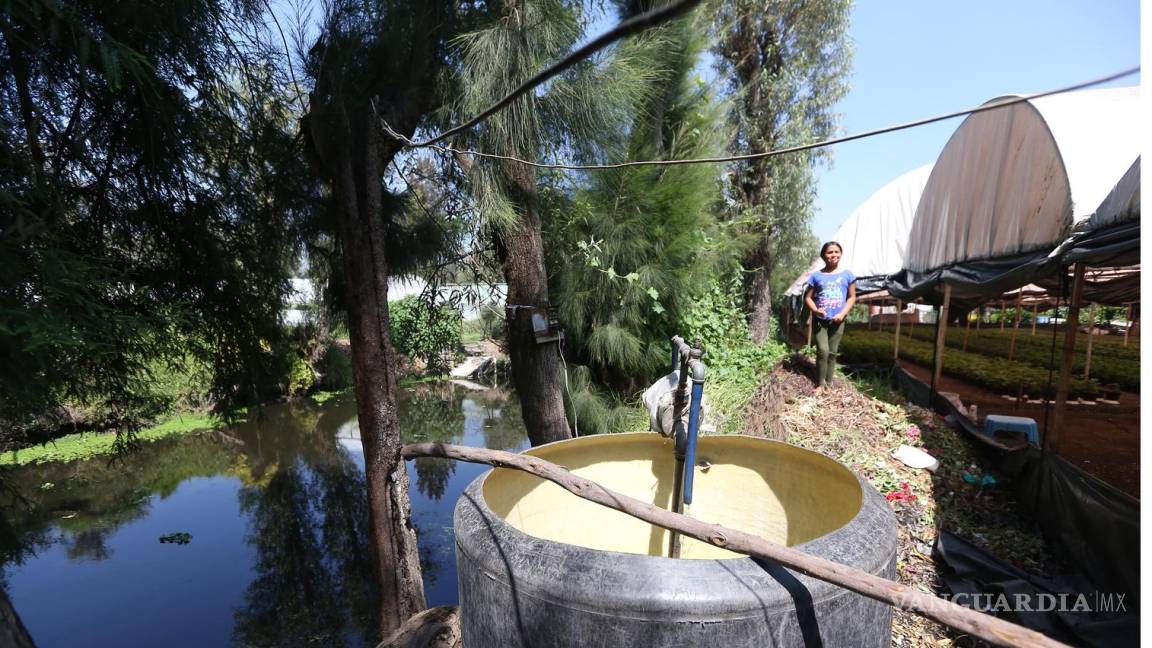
{"x": 987, "y": 627}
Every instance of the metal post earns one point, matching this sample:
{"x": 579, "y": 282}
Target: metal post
{"x": 941, "y": 329}
{"x": 896, "y": 340}
{"x": 1091, "y": 337}
{"x": 1015, "y": 327}
{"x": 1127, "y": 323}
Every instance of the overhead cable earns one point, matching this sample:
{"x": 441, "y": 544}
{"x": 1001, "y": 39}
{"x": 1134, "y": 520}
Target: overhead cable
{"x": 628, "y": 27}
{"x": 766, "y": 154}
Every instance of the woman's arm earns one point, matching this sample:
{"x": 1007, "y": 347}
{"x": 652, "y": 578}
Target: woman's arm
{"x": 848, "y": 304}
{"x": 808, "y": 295}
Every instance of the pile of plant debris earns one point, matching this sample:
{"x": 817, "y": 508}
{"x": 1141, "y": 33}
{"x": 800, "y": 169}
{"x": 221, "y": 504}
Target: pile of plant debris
{"x": 860, "y": 423}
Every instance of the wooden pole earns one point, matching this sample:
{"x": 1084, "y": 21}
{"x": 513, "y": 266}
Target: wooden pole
{"x": 1091, "y": 337}
{"x": 1127, "y": 323}
{"x": 1035, "y": 308}
{"x": 880, "y": 318}
{"x": 967, "y": 330}
{"x": 912, "y": 322}
{"x": 979, "y": 317}
{"x": 1015, "y": 328}
{"x": 896, "y": 344}
{"x": 941, "y": 329}
{"x": 1002, "y": 309}
{"x": 1070, "y": 325}
{"x": 943, "y": 611}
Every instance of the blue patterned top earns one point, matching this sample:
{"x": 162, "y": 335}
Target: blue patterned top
{"x": 830, "y": 291}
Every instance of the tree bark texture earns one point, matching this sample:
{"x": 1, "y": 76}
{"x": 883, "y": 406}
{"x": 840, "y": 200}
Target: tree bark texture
{"x": 351, "y": 147}
{"x": 535, "y": 367}
{"x": 437, "y": 627}
{"x": 984, "y": 626}
{"x": 758, "y": 292}
{"x": 13, "y": 634}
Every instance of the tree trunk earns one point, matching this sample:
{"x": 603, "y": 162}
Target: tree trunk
{"x": 12, "y": 631}
{"x": 356, "y": 165}
{"x": 535, "y": 367}
{"x": 758, "y": 292}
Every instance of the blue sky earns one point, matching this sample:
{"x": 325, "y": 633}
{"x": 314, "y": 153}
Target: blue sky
{"x": 918, "y": 59}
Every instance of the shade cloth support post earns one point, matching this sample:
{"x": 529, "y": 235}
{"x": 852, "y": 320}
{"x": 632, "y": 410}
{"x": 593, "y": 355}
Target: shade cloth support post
{"x": 1091, "y": 337}
{"x": 967, "y": 331}
{"x": 912, "y": 322}
{"x": 941, "y": 330}
{"x": 896, "y": 345}
{"x": 879, "y": 318}
{"x": 1015, "y": 330}
{"x": 1070, "y": 326}
{"x": 1003, "y": 307}
{"x": 1035, "y": 307}
{"x": 1128, "y": 324}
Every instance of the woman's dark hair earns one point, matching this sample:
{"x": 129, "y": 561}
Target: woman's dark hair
{"x": 824, "y": 248}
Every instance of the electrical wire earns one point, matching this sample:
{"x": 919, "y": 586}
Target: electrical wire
{"x": 628, "y": 27}
{"x": 766, "y": 154}
{"x": 575, "y": 422}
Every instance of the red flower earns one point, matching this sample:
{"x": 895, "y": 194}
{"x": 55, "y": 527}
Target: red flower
{"x": 905, "y": 494}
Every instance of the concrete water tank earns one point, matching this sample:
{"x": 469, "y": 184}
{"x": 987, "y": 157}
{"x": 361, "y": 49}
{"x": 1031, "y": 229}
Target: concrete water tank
{"x": 539, "y": 566}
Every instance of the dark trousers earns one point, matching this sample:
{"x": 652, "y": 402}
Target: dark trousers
{"x": 828, "y": 335}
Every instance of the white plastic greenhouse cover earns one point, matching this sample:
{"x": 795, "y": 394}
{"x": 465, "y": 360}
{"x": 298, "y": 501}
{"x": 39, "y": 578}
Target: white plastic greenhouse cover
{"x": 1016, "y": 179}
{"x": 875, "y": 234}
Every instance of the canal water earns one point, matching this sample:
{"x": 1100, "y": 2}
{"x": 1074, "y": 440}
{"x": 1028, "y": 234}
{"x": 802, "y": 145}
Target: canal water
{"x": 251, "y": 536}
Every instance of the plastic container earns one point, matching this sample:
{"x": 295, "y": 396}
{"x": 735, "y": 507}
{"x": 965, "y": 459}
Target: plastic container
{"x": 539, "y": 566}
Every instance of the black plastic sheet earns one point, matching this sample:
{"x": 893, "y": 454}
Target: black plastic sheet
{"x": 1093, "y": 525}
{"x": 1067, "y": 608}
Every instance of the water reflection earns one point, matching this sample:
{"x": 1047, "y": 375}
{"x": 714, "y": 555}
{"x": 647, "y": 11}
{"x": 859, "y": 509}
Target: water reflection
{"x": 277, "y": 511}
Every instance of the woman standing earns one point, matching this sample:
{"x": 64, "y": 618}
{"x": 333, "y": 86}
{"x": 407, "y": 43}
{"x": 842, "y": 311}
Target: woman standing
{"x": 830, "y": 295}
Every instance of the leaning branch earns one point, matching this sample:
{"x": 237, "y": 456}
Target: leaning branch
{"x": 987, "y": 627}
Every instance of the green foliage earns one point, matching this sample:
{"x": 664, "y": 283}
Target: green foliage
{"x": 1112, "y": 362}
{"x": 591, "y": 410}
{"x": 147, "y": 203}
{"x": 334, "y": 369}
{"x": 87, "y": 445}
{"x": 633, "y": 247}
{"x": 735, "y": 364}
{"x": 786, "y": 64}
{"x": 301, "y": 378}
{"x": 997, "y": 374}
{"x": 422, "y": 331}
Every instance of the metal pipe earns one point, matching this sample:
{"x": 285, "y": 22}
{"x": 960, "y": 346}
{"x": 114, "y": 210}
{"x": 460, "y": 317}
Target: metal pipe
{"x": 686, "y": 359}
{"x": 693, "y": 429}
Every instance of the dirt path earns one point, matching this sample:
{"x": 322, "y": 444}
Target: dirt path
{"x": 861, "y": 431}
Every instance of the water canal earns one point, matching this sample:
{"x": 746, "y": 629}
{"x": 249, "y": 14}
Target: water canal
{"x": 274, "y": 510}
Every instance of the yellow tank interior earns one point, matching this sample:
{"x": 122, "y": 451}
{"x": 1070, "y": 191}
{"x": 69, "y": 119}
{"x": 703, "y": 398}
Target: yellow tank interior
{"x": 781, "y": 492}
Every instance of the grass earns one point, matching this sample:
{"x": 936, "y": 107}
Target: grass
{"x": 325, "y": 396}
{"x": 86, "y": 445}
